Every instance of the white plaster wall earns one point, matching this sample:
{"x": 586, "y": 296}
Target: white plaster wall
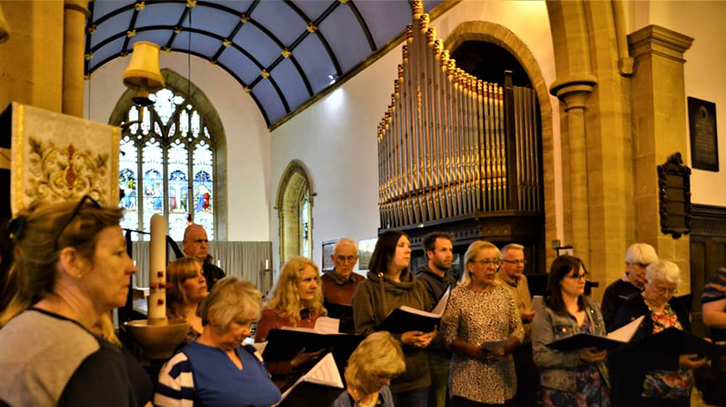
{"x": 336, "y": 137}
{"x": 705, "y": 73}
{"x": 248, "y": 139}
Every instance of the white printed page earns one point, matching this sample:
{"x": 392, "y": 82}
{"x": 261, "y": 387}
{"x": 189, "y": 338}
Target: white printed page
{"x": 538, "y": 304}
{"x": 326, "y": 325}
{"x": 441, "y": 306}
{"x": 325, "y": 372}
{"x": 624, "y": 333}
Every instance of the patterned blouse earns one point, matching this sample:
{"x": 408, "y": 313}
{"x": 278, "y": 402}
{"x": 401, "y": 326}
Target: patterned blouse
{"x": 667, "y": 384}
{"x": 478, "y": 317}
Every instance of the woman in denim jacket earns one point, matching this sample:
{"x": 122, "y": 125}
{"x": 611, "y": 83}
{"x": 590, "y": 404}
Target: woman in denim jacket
{"x": 572, "y": 378}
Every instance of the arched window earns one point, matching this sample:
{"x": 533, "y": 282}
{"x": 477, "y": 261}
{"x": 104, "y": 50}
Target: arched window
{"x": 295, "y": 212}
{"x": 167, "y": 165}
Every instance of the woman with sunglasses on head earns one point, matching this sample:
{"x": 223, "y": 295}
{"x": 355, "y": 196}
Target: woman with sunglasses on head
{"x": 72, "y": 269}
{"x": 654, "y": 379}
{"x": 389, "y": 285}
{"x": 569, "y": 378}
{"x": 481, "y": 311}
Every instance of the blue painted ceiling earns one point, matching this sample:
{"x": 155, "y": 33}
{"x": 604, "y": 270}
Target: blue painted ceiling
{"x": 283, "y": 52}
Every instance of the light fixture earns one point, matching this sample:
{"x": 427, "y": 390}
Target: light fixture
{"x": 143, "y": 74}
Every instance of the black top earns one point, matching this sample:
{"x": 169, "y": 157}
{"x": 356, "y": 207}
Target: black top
{"x": 435, "y": 285}
{"x": 627, "y": 366}
{"x": 212, "y": 273}
{"x": 615, "y": 295}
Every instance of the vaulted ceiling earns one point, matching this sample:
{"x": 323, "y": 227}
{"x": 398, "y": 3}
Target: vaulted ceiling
{"x": 283, "y": 52}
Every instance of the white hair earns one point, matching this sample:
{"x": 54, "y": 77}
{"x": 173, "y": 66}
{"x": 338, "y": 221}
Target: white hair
{"x": 345, "y": 240}
{"x": 641, "y": 253}
{"x": 663, "y": 270}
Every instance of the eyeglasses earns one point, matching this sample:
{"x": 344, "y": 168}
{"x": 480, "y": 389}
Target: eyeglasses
{"x": 665, "y": 291}
{"x": 75, "y": 213}
{"x": 488, "y": 262}
{"x": 578, "y": 277}
{"x": 515, "y": 262}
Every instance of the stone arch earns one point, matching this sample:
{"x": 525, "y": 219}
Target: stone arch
{"x": 183, "y": 86}
{"x": 499, "y": 35}
{"x": 294, "y": 183}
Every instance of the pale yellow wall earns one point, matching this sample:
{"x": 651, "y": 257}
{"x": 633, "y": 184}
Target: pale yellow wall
{"x": 705, "y": 72}
{"x": 336, "y": 138}
{"x": 248, "y": 140}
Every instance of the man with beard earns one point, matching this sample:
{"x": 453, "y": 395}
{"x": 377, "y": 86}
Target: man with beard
{"x": 434, "y": 276}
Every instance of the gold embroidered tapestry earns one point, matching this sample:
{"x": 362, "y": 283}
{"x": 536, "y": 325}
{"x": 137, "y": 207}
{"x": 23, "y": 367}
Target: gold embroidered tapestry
{"x": 56, "y": 157}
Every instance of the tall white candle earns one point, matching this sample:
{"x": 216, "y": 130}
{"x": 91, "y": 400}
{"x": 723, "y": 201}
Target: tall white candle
{"x": 157, "y": 270}
{"x": 267, "y": 264}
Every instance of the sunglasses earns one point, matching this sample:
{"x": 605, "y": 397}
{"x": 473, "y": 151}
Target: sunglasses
{"x": 75, "y": 213}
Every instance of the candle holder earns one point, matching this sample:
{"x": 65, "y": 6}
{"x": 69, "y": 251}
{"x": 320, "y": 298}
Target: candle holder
{"x": 158, "y": 340}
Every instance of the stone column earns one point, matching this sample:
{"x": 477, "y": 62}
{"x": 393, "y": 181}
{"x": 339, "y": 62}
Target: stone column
{"x": 659, "y": 129}
{"x": 74, "y": 21}
{"x": 573, "y": 91}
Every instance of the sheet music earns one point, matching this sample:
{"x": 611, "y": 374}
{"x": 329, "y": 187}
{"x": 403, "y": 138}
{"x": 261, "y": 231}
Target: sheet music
{"x": 441, "y": 306}
{"x": 326, "y": 325}
{"x": 260, "y": 346}
{"x": 626, "y": 332}
{"x": 538, "y": 304}
{"x": 418, "y": 311}
{"x": 324, "y": 372}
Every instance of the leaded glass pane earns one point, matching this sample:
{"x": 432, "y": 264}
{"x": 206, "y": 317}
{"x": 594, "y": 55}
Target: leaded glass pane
{"x": 165, "y": 103}
{"x": 134, "y": 116}
{"x": 204, "y": 187}
{"x": 153, "y": 182}
{"x": 206, "y": 132}
{"x": 195, "y": 124}
{"x": 128, "y": 180}
{"x": 305, "y": 226}
{"x": 178, "y": 167}
{"x": 146, "y": 121}
{"x": 184, "y": 123}
{"x": 157, "y": 130}
{"x": 172, "y": 130}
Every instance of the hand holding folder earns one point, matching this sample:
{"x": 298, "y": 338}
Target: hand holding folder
{"x": 320, "y": 386}
{"x": 408, "y": 319}
{"x": 614, "y": 339}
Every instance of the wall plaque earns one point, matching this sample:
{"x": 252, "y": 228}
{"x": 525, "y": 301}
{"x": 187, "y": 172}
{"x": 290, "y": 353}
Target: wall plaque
{"x": 704, "y": 140}
{"x": 674, "y": 183}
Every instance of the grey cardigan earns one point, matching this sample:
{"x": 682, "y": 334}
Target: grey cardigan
{"x": 558, "y": 370}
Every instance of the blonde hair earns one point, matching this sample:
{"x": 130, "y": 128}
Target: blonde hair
{"x": 285, "y": 297}
{"x": 231, "y": 298}
{"x": 36, "y": 258}
{"x": 177, "y": 273}
{"x": 378, "y": 355}
{"x": 472, "y": 252}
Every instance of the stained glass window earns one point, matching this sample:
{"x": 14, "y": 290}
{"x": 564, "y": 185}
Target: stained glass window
{"x": 305, "y": 224}
{"x": 170, "y": 170}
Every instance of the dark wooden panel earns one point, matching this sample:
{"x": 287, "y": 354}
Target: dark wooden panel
{"x": 698, "y": 275}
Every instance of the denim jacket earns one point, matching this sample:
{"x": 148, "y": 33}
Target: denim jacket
{"x": 558, "y": 370}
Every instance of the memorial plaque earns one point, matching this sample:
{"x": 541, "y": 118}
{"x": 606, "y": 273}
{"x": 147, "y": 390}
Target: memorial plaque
{"x": 674, "y": 182}
{"x": 704, "y": 140}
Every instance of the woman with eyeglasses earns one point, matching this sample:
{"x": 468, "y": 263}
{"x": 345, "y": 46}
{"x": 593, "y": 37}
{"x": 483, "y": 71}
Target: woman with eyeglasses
{"x": 569, "y": 378}
{"x": 654, "y": 379}
{"x": 389, "y": 285}
{"x": 481, "y": 312}
{"x": 72, "y": 269}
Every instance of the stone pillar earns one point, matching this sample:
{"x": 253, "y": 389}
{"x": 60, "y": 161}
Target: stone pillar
{"x": 573, "y": 91}
{"x": 74, "y": 21}
{"x": 31, "y": 62}
{"x": 659, "y": 129}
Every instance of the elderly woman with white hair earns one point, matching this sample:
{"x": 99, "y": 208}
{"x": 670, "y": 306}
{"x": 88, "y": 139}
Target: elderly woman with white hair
{"x": 637, "y": 258}
{"x": 370, "y": 369}
{"x": 649, "y": 379}
{"x": 216, "y": 370}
